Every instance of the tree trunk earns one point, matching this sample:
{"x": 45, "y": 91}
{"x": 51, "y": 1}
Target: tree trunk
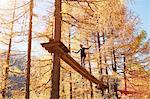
{"x": 8, "y": 55}
{"x": 56, "y": 62}
{"x": 100, "y": 59}
{"x": 106, "y": 62}
{"x": 115, "y": 70}
{"x": 27, "y": 96}
{"x": 63, "y": 86}
{"x": 125, "y": 77}
{"x": 70, "y": 85}
{"x": 70, "y": 75}
{"x": 91, "y": 85}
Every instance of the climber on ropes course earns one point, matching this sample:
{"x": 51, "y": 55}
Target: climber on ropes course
{"x": 83, "y": 54}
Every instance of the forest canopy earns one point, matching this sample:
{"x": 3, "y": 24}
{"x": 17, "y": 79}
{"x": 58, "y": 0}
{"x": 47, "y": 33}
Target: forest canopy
{"x": 117, "y": 51}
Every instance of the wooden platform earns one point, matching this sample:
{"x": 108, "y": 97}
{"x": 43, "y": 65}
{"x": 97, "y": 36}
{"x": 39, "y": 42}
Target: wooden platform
{"x": 61, "y": 49}
{"x": 51, "y": 46}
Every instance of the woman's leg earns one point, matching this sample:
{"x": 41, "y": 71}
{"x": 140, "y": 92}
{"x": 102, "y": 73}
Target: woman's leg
{"x": 83, "y": 61}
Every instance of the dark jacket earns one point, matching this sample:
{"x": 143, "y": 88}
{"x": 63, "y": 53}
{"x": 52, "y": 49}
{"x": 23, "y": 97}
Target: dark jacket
{"x": 82, "y": 52}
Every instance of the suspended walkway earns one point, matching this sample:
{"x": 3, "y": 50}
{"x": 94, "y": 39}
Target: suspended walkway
{"x": 58, "y": 47}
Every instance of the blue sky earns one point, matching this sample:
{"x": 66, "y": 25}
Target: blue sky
{"x": 142, "y": 10}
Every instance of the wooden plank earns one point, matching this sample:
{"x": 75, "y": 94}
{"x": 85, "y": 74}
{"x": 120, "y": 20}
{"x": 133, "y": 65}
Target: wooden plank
{"x": 52, "y": 44}
{"x": 75, "y": 65}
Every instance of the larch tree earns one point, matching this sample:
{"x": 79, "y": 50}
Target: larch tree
{"x": 27, "y": 96}
{"x": 6, "y": 69}
{"x": 118, "y": 57}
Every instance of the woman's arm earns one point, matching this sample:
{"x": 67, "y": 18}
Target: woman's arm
{"x": 87, "y": 48}
{"x": 76, "y": 52}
